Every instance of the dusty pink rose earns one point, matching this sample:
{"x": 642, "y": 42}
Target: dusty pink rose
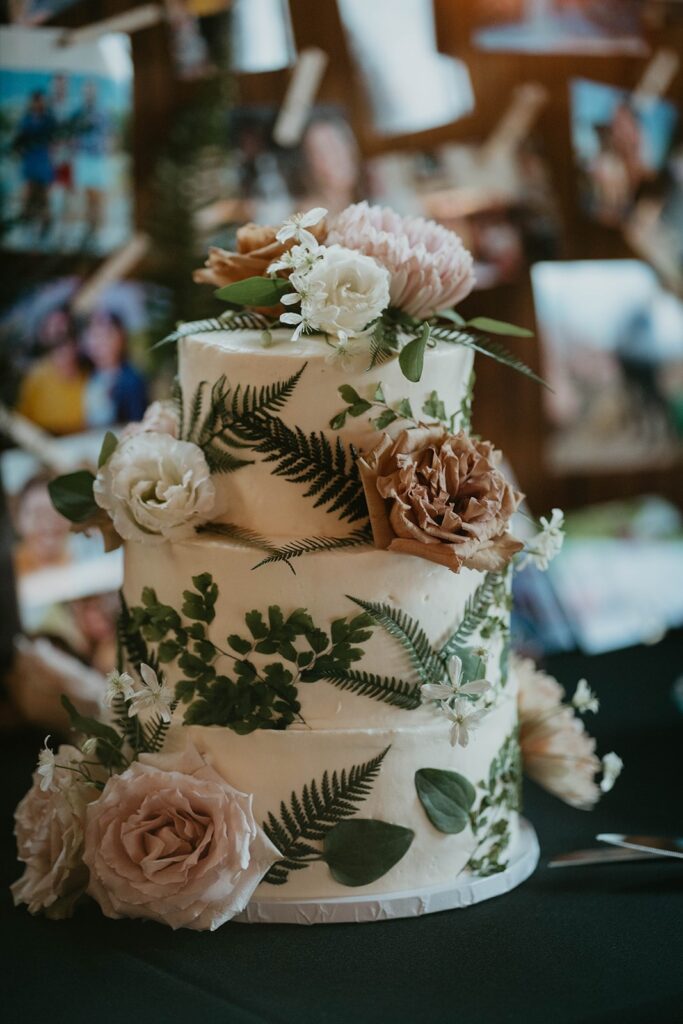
{"x": 440, "y": 497}
{"x": 49, "y": 826}
{"x": 170, "y": 840}
{"x": 430, "y": 267}
{"x": 557, "y": 752}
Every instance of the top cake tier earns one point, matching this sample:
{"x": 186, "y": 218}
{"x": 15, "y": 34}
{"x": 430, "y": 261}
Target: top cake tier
{"x": 281, "y": 401}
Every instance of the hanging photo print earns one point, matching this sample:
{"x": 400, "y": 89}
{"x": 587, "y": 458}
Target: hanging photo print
{"x": 64, "y": 120}
{"x": 612, "y": 346}
{"x": 621, "y": 142}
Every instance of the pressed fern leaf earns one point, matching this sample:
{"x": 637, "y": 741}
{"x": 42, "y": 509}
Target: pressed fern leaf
{"x": 329, "y": 470}
{"x": 383, "y": 345}
{"x": 309, "y": 545}
{"x": 410, "y": 635}
{"x": 310, "y": 816}
{"x": 389, "y": 690}
{"x": 240, "y": 534}
{"x": 230, "y": 320}
{"x": 488, "y": 347}
{"x": 477, "y": 608}
{"x": 248, "y": 401}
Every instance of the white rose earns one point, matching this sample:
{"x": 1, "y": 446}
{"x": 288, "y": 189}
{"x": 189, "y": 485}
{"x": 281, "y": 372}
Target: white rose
{"x": 342, "y": 293}
{"x": 155, "y": 488}
{"x": 49, "y": 826}
{"x": 171, "y": 840}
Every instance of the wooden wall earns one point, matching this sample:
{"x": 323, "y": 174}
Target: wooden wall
{"x": 508, "y": 407}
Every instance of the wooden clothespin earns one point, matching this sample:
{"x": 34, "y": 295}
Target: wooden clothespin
{"x": 301, "y": 92}
{"x": 116, "y": 267}
{"x": 133, "y": 20}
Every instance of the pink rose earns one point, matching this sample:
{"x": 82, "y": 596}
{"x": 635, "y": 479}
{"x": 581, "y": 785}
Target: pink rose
{"x": 170, "y": 840}
{"x": 49, "y": 825}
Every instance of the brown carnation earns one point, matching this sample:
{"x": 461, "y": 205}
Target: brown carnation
{"x": 440, "y": 497}
{"x": 257, "y": 248}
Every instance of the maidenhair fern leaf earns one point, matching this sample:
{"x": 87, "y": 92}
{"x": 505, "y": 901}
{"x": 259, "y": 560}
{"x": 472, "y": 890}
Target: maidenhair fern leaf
{"x": 310, "y": 816}
{"x": 389, "y": 690}
{"x": 410, "y": 635}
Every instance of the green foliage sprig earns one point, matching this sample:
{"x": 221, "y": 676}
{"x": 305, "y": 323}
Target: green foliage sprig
{"x": 231, "y": 320}
{"x": 252, "y": 695}
{"x": 433, "y": 408}
{"x": 427, "y": 662}
{"x": 499, "y": 796}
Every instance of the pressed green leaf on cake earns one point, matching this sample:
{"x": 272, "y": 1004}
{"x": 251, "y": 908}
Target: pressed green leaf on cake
{"x": 361, "y": 850}
{"x": 72, "y": 495}
{"x": 446, "y": 797}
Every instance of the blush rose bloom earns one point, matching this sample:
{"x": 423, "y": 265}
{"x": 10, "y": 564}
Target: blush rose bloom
{"x": 49, "y": 827}
{"x": 155, "y": 488}
{"x": 170, "y": 840}
{"x": 341, "y": 293}
{"x": 440, "y": 497}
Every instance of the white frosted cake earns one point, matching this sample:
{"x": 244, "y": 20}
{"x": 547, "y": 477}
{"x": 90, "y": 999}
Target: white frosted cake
{"x": 314, "y": 716}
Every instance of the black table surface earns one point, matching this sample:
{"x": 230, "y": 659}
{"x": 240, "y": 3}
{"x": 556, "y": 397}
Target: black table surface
{"x": 594, "y": 944}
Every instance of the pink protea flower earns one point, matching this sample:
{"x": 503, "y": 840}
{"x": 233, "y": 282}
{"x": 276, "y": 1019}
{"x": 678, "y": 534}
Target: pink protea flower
{"x": 430, "y": 267}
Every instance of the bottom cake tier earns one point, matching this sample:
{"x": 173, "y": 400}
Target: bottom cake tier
{"x": 460, "y": 803}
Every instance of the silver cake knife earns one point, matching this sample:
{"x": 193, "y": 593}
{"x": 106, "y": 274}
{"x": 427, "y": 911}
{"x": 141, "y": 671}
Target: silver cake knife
{"x": 662, "y": 846}
{"x": 601, "y": 855}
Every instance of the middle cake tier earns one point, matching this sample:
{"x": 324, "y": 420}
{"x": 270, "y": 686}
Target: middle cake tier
{"x": 290, "y": 417}
{"x": 348, "y": 640}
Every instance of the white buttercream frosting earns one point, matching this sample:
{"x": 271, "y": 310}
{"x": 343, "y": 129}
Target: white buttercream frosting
{"x": 253, "y": 496}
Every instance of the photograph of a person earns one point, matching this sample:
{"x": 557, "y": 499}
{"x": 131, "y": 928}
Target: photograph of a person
{"x": 620, "y": 143}
{"x": 64, "y": 116}
{"x": 612, "y": 346}
{"x": 75, "y": 372}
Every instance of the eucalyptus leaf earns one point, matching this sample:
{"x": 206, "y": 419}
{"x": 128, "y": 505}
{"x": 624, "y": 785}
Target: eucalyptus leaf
{"x": 360, "y": 850}
{"x": 385, "y": 418}
{"x": 379, "y": 394}
{"x": 338, "y": 421}
{"x": 359, "y": 407}
{"x": 486, "y": 323}
{"x": 72, "y": 495}
{"x": 411, "y": 357}
{"x": 446, "y": 798}
{"x": 349, "y": 394}
{"x": 450, "y": 314}
{"x": 108, "y": 448}
{"x": 254, "y": 291}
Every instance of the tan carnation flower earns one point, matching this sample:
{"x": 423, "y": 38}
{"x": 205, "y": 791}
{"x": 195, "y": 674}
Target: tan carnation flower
{"x": 257, "y": 248}
{"x": 440, "y": 497}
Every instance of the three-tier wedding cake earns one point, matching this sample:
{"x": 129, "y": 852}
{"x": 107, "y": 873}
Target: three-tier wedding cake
{"x": 314, "y": 716}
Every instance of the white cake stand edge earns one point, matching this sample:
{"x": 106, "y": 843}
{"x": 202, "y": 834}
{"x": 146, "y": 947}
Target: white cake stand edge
{"x": 464, "y": 891}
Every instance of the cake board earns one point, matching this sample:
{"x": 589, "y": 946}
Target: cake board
{"x": 462, "y": 892}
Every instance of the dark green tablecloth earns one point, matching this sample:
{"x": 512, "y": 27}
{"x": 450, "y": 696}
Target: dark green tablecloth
{"x": 602, "y": 944}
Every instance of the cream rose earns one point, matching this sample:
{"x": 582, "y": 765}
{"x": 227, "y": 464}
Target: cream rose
{"x": 170, "y": 840}
{"x": 49, "y": 827}
{"x": 341, "y": 293}
{"x": 440, "y": 497}
{"x": 155, "y": 488}
{"x": 159, "y": 418}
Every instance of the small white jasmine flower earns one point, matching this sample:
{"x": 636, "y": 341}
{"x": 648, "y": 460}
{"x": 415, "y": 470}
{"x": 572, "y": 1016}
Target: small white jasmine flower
{"x": 584, "y": 699}
{"x": 436, "y": 691}
{"x": 298, "y": 258}
{"x": 46, "y": 767}
{"x": 155, "y": 696}
{"x": 119, "y": 684}
{"x": 295, "y": 227}
{"x": 611, "y": 770}
{"x": 464, "y": 720}
{"x": 89, "y": 746}
{"x": 454, "y": 688}
{"x": 547, "y": 543}
{"x": 294, "y": 320}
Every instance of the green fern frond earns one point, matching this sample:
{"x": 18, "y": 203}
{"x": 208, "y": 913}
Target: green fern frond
{"x": 330, "y": 472}
{"x": 477, "y": 608}
{"x": 231, "y": 320}
{"x": 220, "y": 460}
{"x": 240, "y": 534}
{"x": 410, "y": 635}
{"x": 248, "y": 401}
{"x": 487, "y": 347}
{"x": 383, "y": 345}
{"x": 390, "y": 690}
{"x": 308, "y": 545}
{"x": 310, "y": 816}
